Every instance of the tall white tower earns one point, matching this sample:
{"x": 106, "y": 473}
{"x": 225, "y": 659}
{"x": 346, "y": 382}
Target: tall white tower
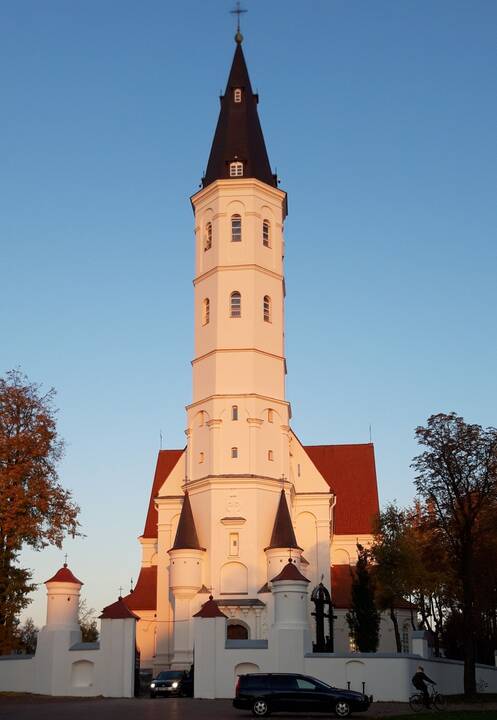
{"x": 238, "y": 421}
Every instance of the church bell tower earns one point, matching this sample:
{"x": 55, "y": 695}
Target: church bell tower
{"x": 238, "y": 421}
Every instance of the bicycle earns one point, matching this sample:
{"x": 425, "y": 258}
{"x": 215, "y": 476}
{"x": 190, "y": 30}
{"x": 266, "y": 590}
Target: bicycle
{"x": 437, "y": 700}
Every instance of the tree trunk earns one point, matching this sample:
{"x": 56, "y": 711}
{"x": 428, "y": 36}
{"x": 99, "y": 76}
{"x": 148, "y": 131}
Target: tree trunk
{"x": 398, "y": 641}
{"x": 468, "y": 623}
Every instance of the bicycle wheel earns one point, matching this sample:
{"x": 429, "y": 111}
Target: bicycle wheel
{"x": 416, "y": 702}
{"x": 439, "y": 702}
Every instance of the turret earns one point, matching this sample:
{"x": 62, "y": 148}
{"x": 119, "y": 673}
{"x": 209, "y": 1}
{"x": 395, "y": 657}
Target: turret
{"x": 282, "y": 541}
{"x": 289, "y": 588}
{"x": 185, "y": 580}
{"x": 63, "y": 591}
{"x": 185, "y": 571}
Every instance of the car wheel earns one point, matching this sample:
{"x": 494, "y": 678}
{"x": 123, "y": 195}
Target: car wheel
{"x": 342, "y": 709}
{"x": 260, "y": 708}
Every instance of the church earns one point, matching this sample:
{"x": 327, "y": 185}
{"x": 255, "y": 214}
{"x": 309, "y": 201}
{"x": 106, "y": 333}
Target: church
{"x": 227, "y": 511}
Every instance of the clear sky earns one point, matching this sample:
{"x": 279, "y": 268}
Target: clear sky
{"x": 381, "y": 120}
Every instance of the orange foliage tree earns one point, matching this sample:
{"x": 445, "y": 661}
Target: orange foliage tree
{"x": 35, "y": 509}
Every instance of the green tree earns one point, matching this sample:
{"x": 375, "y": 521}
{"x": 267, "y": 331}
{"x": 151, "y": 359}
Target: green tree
{"x": 396, "y": 561}
{"x": 35, "y": 509}
{"x": 363, "y": 619}
{"x": 28, "y": 636}
{"x": 457, "y": 478}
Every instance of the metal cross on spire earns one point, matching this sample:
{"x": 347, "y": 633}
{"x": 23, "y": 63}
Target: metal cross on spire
{"x": 65, "y": 559}
{"x": 238, "y": 11}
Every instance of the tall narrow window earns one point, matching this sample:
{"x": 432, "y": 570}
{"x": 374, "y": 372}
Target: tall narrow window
{"x": 208, "y": 237}
{"x": 270, "y": 455}
{"x": 234, "y": 452}
{"x": 235, "y": 304}
{"x": 234, "y": 412}
{"x": 236, "y": 228}
{"x": 236, "y": 169}
{"x": 266, "y": 237}
{"x": 267, "y": 308}
{"x": 237, "y": 95}
{"x": 234, "y": 545}
{"x": 201, "y": 457}
{"x": 270, "y": 415}
{"x": 206, "y": 311}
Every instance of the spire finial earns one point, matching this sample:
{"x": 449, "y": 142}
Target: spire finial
{"x": 65, "y": 560}
{"x": 238, "y": 11}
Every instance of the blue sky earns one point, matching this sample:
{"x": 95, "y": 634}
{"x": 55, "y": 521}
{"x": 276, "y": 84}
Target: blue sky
{"x": 380, "y": 119}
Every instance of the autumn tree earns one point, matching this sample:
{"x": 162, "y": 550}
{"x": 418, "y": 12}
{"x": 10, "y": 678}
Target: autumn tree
{"x": 457, "y": 478}
{"x": 363, "y": 619}
{"x": 87, "y": 622}
{"x": 35, "y": 510}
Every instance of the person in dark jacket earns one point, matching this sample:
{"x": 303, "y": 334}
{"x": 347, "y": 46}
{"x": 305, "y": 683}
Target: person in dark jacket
{"x": 419, "y": 680}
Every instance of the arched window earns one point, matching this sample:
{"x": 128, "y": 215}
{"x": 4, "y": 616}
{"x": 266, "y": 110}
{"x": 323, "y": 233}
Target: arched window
{"x": 236, "y": 169}
{"x": 270, "y": 455}
{"x": 270, "y": 415}
{"x": 237, "y": 631}
{"x": 206, "y": 311}
{"x": 405, "y": 637}
{"x": 266, "y": 237}
{"x": 236, "y": 228}
{"x": 234, "y": 452}
{"x": 235, "y": 304}
{"x": 234, "y": 412}
{"x": 237, "y": 95}
{"x": 267, "y": 308}
{"x": 208, "y": 237}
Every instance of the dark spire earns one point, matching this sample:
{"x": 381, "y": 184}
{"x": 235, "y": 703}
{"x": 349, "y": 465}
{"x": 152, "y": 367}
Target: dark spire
{"x": 283, "y": 535}
{"x": 186, "y": 534}
{"x": 238, "y": 136}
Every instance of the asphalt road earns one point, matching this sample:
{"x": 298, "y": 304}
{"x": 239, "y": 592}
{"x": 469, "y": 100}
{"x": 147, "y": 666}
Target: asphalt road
{"x": 38, "y": 707}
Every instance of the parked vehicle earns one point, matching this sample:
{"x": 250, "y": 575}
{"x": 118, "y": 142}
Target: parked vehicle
{"x": 267, "y": 693}
{"x": 172, "y": 682}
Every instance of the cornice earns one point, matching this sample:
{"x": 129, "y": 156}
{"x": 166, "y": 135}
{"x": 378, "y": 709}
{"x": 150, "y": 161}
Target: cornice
{"x": 227, "y": 268}
{"x": 232, "y": 350}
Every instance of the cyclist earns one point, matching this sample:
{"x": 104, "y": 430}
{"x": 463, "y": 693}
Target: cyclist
{"x": 419, "y": 680}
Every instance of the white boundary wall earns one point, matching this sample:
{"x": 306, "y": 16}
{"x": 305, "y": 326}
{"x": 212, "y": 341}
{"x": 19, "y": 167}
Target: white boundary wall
{"x": 386, "y": 676}
{"x": 64, "y": 666}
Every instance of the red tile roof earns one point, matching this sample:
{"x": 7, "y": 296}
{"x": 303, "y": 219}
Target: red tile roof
{"x": 144, "y": 596}
{"x": 166, "y": 460}
{"x": 210, "y": 610}
{"x": 290, "y": 572}
{"x": 350, "y": 472}
{"x": 64, "y": 575}
{"x": 341, "y": 588}
{"x": 118, "y": 611}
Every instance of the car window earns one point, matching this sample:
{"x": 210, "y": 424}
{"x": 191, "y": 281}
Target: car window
{"x": 304, "y": 684}
{"x": 252, "y": 682}
{"x": 169, "y": 675}
{"x": 283, "y": 682}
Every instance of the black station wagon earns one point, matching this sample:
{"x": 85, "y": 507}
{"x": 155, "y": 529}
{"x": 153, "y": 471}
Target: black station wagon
{"x": 267, "y": 693}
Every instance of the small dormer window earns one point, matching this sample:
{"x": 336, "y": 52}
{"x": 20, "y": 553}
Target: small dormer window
{"x": 236, "y": 169}
{"x": 237, "y": 95}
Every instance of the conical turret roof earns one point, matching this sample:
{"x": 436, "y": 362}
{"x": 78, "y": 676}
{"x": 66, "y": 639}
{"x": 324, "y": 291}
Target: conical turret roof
{"x": 186, "y": 534}
{"x": 290, "y": 572}
{"x": 64, "y": 575}
{"x": 283, "y": 535}
{"x": 238, "y": 135}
